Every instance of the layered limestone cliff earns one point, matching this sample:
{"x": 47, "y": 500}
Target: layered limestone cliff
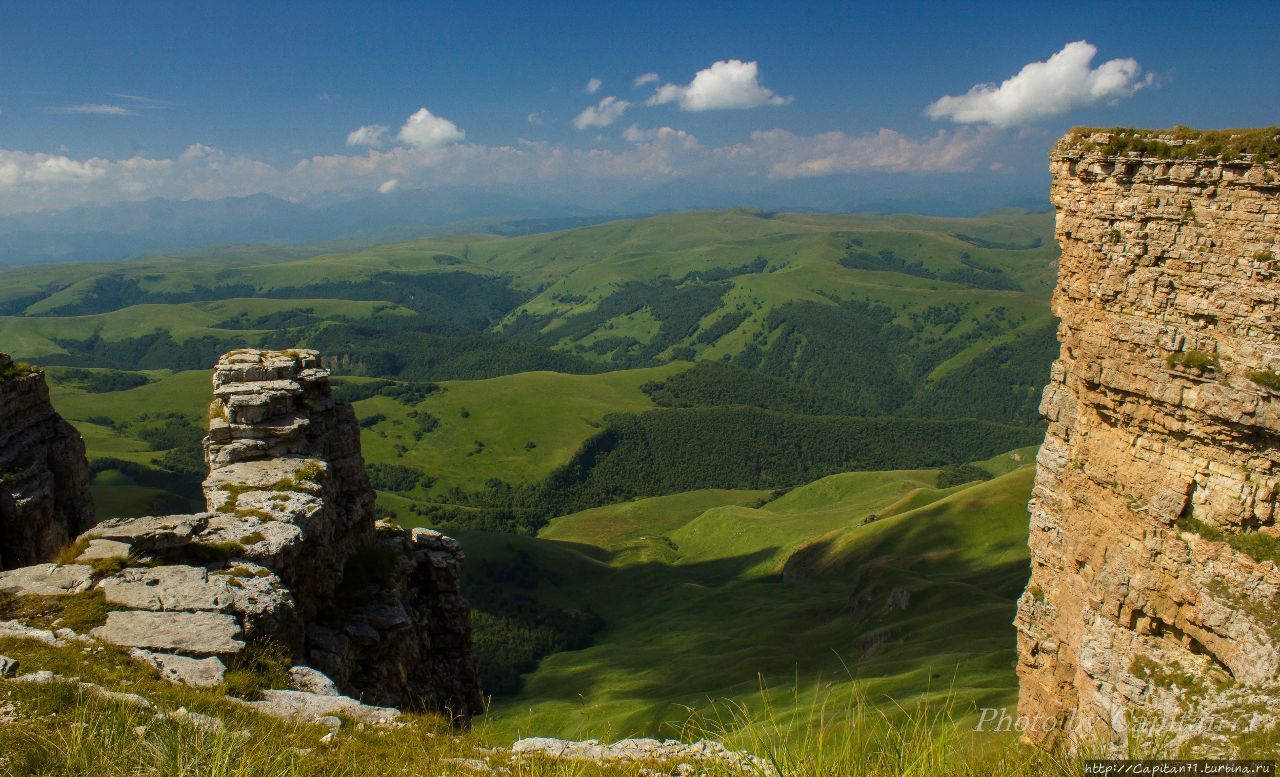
{"x": 44, "y": 480}
{"x": 1153, "y": 593}
{"x": 288, "y": 552}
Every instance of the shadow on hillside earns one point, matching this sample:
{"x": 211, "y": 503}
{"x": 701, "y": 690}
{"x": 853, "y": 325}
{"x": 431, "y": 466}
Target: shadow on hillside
{"x": 908, "y": 614}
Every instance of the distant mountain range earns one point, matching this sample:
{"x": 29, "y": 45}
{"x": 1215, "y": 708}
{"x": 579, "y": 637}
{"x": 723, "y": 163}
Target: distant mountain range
{"x": 357, "y": 219}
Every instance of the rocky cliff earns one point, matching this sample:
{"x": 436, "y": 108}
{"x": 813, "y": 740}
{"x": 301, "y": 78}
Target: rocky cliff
{"x": 44, "y": 481}
{"x": 287, "y": 553}
{"x": 1154, "y": 538}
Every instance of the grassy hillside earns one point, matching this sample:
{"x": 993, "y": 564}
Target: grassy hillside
{"x": 544, "y": 369}
{"x": 516, "y": 428}
{"x": 746, "y": 286}
{"x": 653, "y": 437}
{"x": 712, "y": 595}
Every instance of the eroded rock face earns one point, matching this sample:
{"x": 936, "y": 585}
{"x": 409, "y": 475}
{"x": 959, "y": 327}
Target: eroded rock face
{"x": 287, "y": 551}
{"x": 1162, "y": 447}
{"x": 44, "y": 479}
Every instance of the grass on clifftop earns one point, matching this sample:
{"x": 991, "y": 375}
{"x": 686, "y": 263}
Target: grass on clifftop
{"x": 60, "y": 729}
{"x": 1229, "y": 144}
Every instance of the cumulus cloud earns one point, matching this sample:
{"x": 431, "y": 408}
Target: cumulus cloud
{"x": 372, "y": 135}
{"x": 645, "y": 78}
{"x": 388, "y": 186}
{"x": 96, "y": 109}
{"x": 602, "y": 114}
{"x": 423, "y": 130}
{"x": 726, "y": 84}
{"x": 1042, "y": 89}
{"x": 593, "y": 86}
{"x": 536, "y": 119}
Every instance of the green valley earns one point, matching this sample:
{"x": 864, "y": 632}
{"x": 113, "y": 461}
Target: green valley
{"x": 734, "y": 457}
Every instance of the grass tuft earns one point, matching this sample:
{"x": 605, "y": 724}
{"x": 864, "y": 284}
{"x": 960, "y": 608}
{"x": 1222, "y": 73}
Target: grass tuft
{"x": 261, "y": 665}
{"x": 1266, "y": 379}
{"x": 80, "y": 612}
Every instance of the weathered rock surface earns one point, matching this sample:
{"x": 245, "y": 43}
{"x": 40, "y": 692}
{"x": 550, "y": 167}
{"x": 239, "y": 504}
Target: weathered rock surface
{"x": 190, "y": 633}
{"x": 702, "y": 752}
{"x": 304, "y": 678}
{"x": 47, "y": 580}
{"x": 288, "y": 552}
{"x": 196, "y": 672}
{"x": 44, "y": 479}
{"x": 304, "y": 707}
{"x": 1161, "y": 455}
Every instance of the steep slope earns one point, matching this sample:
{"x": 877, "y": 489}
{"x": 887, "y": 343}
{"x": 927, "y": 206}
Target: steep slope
{"x": 44, "y": 482}
{"x": 879, "y": 581}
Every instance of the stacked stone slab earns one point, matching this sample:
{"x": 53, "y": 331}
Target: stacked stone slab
{"x": 1162, "y": 445}
{"x": 287, "y": 551}
{"x": 44, "y": 480}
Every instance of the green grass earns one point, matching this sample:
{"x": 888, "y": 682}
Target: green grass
{"x": 1255, "y": 544}
{"x": 698, "y": 607}
{"x": 36, "y": 335}
{"x": 1262, "y": 143}
{"x": 60, "y": 729}
{"x": 1266, "y": 378}
{"x": 555, "y": 411}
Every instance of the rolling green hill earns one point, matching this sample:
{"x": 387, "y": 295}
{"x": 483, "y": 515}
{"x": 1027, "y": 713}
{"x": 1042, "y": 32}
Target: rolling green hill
{"x": 879, "y": 578}
{"x": 759, "y": 289}
{"x": 689, "y": 456}
{"x": 562, "y": 356}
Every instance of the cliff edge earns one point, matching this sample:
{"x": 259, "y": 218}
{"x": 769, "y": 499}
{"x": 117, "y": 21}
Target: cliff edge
{"x": 44, "y": 479}
{"x": 1154, "y": 538}
{"x": 287, "y": 557}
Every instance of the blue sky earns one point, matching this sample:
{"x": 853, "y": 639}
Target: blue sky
{"x": 103, "y": 101}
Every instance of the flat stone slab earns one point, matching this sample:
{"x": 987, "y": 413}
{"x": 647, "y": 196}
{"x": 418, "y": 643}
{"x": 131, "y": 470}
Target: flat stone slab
{"x": 104, "y": 549}
{"x": 245, "y": 475}
{"x": 16, "y": 630}
{"x": 169, "y": 588}
{"x": 47, "y": 580}
{"x": 642, "y": 749}
{"x": 196, "y": 672}
{"x": 190, "y": 633}
{"x": 304, "y": 707}
{"x": 151, "y": 532}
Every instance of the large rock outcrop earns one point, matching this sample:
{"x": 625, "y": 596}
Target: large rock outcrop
{"x": 1153, "y": 592}
{"x": 44, "y": 480}
{"x": 288, "y": 551}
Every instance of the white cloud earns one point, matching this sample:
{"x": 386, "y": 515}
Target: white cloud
{"x": 146, "y": 102}
{"x": 372, "y": 135}
{"x": 536, "y": 119}
{"x": 726, "y": 84}
{"x": 831, "y": 153}
{"x": 97, "y": 109}
{"x": 593, "y": 86}
{"x": 199, "y": 151}
{"x": 662, "y": 134}
{"x": 388, "y": 186}
{"x": 645, "y": 78}
{"x": 1041, "y": 89}
{"x": 425, "y": 131}
{"x": 34, "y": 181}
{"x": 602, "y": 114}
